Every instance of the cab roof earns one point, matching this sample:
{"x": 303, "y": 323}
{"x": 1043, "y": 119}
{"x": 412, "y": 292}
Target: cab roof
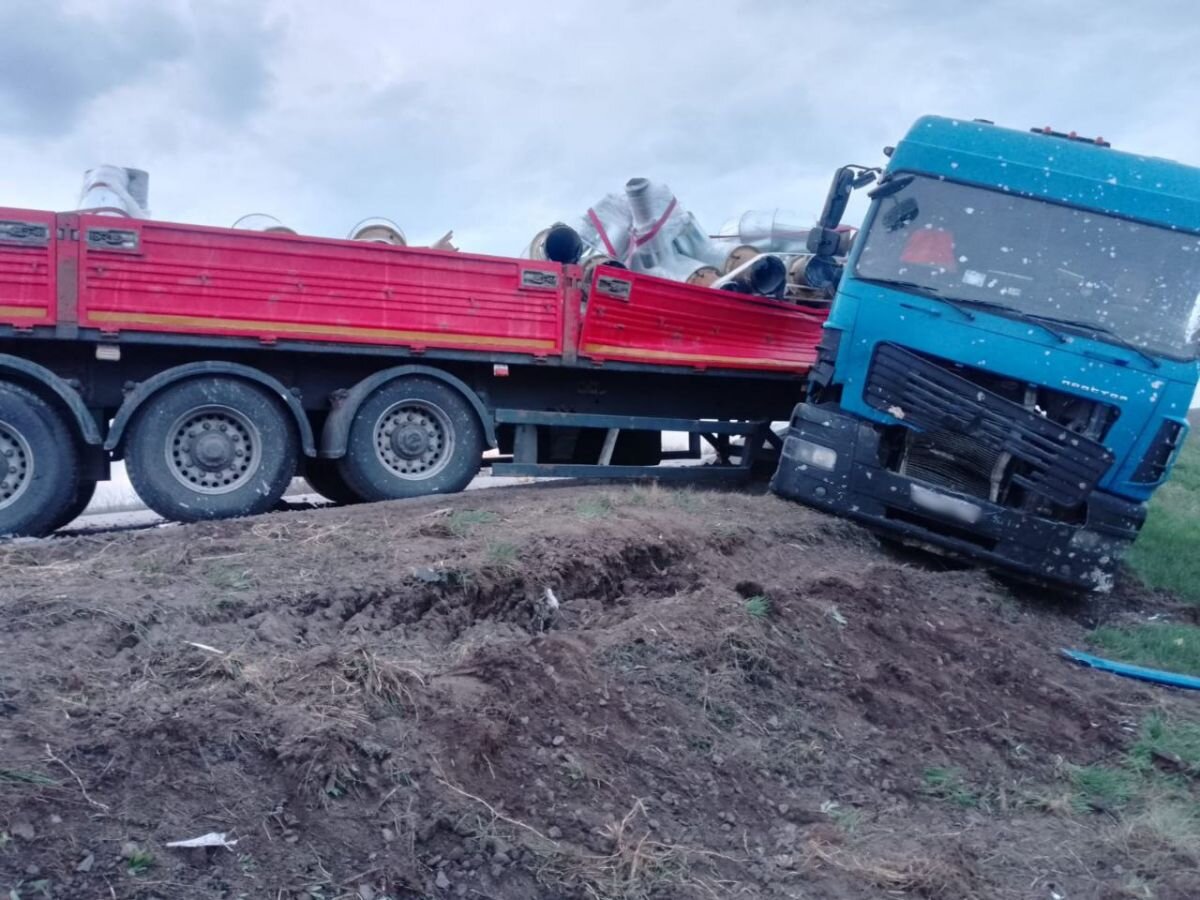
{"x": 1053, "y": 167}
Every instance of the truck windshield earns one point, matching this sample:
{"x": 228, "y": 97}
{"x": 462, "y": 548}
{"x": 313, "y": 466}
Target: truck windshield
{"x": 1136, "y": 282}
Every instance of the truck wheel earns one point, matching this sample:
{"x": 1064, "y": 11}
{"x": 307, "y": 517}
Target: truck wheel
{"x": 39, "y": 465}
{"x": 323, "y": 477}
{"x": 413, "y": 436}
{"x": 83, "y": 496}
{"x": 211, "y": 448}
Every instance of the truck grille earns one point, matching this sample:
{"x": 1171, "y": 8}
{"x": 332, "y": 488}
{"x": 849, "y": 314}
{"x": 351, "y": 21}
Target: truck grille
{"x": 956, "y": 461}
{"x": 1050, "y": 460}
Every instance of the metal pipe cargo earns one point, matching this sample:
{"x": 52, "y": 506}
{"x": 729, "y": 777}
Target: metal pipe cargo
{"x": 559, "y": 243}
{"x": 114, "y": 190}
{"x": 764, "y": 275}
{"x": 768, "y": 229}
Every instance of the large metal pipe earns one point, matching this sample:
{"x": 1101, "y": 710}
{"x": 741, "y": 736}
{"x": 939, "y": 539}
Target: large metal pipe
{"x": 559, "y": 243}
{"x": 768, "y": 229}
{"x": 764, "y": 275}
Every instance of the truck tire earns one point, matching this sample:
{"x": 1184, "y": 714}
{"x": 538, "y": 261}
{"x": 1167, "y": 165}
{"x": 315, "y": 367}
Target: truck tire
{"x": 411, "y": 437}
{"x": 39, "y": 465}
{"x": 323, "y": 477}
{"x": 83, "y": 496}
{"x": 211, "y": 448}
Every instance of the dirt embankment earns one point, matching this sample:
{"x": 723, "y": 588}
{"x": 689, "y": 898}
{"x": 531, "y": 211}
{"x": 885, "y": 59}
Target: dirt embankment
{"x": 549, "y": 693}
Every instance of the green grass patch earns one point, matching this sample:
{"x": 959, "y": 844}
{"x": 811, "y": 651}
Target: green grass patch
{"x": 594, "y": 507}
{"x": 1164, "y": 555}
{"x": 140, "y": 862}
{"x": 1170, "y": 743}
{"x": 758, "y": 607}
{"x": 463, "y": 520}
{"x": 1159, "y": 645}
{"x": 1103, "y": 787}
{"x": 948, "y": 784}
{"x": 15, "y": 776}
{"x": 502, "y": 554}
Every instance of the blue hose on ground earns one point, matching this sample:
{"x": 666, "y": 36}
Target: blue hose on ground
{"x": 1155, "y": 676}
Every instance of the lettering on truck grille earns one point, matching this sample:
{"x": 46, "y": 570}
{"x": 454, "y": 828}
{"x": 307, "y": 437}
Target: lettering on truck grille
{"x": 1087, "y": 388}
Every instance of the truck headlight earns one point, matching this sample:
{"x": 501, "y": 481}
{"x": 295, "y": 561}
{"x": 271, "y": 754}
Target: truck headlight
{"x": 810, "y": 454}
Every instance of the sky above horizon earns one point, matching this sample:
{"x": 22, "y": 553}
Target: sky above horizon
{"x": 496, "y": 119}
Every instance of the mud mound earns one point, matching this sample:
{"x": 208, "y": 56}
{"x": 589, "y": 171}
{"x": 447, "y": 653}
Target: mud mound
{"x": 577, "y": 692}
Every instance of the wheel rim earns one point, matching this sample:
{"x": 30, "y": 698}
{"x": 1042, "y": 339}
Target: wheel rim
{"x": 16, "y": 465}
{"x": 414, "y": 439}
{"x": 213, "y": 449}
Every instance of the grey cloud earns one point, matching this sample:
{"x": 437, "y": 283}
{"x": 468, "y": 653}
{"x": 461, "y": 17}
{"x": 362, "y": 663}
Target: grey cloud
{"x": 231, "y": 49}
{"x": 52, "y": 64}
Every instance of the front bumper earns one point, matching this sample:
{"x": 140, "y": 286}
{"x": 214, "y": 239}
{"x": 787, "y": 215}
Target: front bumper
{"x": 854, "y": 484}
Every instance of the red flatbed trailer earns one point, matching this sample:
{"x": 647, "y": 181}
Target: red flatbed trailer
{"x": 284, "y": 343}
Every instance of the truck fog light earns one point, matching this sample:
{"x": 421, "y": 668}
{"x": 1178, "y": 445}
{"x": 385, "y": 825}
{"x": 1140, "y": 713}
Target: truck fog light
{"x": 810, "y": 454}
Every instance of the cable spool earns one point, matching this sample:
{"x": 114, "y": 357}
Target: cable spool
{"x": 704, "y": 276}
{"x": 378, "y": 231}
{"x": 740, "y": 254}
{"x": 262, "y": 222}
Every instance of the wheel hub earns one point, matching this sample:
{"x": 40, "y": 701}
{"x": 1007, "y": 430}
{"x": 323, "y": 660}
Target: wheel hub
{"x": 410, "y": 441}
{"x": 16, "y": 465}
{"x": 414, "y": 439}
{"x": 213, "y": 450}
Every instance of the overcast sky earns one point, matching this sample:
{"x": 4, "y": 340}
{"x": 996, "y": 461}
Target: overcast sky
{"x": 497, "y": 118}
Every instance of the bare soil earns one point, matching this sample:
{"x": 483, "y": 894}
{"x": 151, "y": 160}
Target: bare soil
{"x": 552, "y": 692}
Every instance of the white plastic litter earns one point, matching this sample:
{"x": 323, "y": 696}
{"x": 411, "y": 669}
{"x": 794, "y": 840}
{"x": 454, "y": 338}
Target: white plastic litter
{"x": 212, "y": 839}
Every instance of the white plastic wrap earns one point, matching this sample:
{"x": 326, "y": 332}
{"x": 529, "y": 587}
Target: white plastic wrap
{"x": 114, "y": 190}
{"x": 606, "y": 227}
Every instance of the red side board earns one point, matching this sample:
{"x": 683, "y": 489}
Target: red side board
{"x": 641, "y": 319}
{"x": 191, "y": 279}
{"x": 148, "y": 276}
{"x": 28, "y": 278}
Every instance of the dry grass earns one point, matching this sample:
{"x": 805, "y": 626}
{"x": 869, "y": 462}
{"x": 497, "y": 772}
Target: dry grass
{"x": 384, "y": 680}
{"x": 923, "y": 876}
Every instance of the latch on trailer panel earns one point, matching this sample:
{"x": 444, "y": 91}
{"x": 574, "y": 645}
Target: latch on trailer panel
{"x": 113, "y": 239}
{"x": 34, "y": 234}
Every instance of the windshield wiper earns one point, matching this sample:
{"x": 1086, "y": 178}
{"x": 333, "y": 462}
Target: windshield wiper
{"x": 925, "y": 291}
{"x": 958, "y": 304}
{"x": 1096, "y": 328}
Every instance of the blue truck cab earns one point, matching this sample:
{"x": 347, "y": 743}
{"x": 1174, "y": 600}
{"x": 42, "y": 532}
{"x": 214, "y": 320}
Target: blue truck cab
{"x": 1011, "y": 350}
